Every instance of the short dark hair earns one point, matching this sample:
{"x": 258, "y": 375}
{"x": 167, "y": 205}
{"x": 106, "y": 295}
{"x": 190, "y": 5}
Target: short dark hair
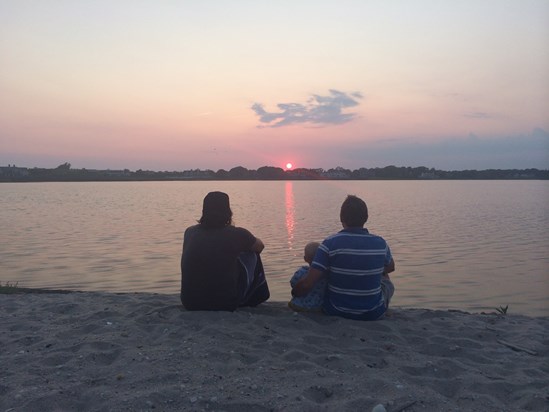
{"x": 354, "y": 211}
{"x": 216, "y": 211}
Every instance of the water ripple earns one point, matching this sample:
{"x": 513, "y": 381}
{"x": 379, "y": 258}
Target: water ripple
{"x": 471, "y": 245}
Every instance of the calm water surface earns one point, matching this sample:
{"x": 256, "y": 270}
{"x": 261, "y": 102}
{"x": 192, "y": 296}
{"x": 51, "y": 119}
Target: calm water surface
{"x": 471, "y": 245}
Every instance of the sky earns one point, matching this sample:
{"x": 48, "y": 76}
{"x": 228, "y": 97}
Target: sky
{"x": 178, "y": 85}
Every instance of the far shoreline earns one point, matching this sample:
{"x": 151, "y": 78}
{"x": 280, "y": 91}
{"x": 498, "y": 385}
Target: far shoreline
{"x": 64, "y": 173}
{"x": 264, "y": 180}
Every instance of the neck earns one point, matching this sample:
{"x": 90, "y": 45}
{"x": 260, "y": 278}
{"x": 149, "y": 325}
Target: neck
{"x": 346, "y": 226}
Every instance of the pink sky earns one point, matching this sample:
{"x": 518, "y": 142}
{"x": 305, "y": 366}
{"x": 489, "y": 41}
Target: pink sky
{"x": 172, "y": 85}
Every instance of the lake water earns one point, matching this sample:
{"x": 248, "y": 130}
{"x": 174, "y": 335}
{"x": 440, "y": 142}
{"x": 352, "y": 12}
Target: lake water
{"x": 470, "y": 245}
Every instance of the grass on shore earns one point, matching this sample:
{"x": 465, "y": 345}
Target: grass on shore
{"x": 502, "y": 310}
{"x": 8, "y": 288}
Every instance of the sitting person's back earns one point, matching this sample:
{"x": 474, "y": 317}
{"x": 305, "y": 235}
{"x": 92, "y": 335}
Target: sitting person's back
{"x": 220, "y": 265}
{"x": 357, "y": 265}
{"x": 312, "y": 301}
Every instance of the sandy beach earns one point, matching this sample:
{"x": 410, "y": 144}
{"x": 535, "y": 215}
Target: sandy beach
{"x": 92, "y": 351}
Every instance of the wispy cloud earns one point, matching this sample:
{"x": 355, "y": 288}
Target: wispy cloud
{"x": 319, "y": 110}
{"x": 479, "y": 115}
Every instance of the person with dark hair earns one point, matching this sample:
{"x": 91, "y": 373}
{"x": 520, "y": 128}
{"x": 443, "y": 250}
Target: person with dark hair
{"x": 356, "y": 265}
{"x": 220, "y": 265}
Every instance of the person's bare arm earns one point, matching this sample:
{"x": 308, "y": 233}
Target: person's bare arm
{"x": 305, "y": 285}
{"x": 258, "y": 246}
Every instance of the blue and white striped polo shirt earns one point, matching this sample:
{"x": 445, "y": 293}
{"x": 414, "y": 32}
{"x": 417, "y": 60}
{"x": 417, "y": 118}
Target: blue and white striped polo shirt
{"x": 354, "y": 260}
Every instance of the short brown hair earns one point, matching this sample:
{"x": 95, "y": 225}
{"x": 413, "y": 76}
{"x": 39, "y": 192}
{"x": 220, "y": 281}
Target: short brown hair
{"x": 354, "y": 211}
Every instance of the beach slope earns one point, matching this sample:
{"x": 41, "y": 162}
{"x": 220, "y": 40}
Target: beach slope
{"x": 92, "y": 351}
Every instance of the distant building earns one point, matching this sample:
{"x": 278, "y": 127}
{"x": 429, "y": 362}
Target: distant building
{"x": 428, "y": 175}
{"x": 13, "y": 172}
{"x": 197, "y": 174}
{"x": 119, "y": 173}
{"x": 337, "y": 173}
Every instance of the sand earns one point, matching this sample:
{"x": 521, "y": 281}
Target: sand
{"x": 101, "y": 352}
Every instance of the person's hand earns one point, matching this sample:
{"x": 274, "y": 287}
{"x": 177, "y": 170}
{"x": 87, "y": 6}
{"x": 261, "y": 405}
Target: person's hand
{"x": 306, "y": 283}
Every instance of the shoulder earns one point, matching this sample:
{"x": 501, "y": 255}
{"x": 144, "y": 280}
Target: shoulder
{"x": 301, "y": 271}
{"x": 331, "y": 239}
{"x": 373, "y": 235}
{"x": 354, "y": 237}
{"x": 298, "y": 275}
{"x": 340, "y": 237}
{"x": 361, "y": 234}
{"x": 240, "y": 236}
{"x": 239, "y": 231}
{"x": 378, "y": 240}
{"x": 191, "y": 230}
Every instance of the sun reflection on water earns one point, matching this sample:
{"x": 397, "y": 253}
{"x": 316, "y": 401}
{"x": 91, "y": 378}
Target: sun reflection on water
{"x": 290, "y": 213}
{"x": 126, "y": 236}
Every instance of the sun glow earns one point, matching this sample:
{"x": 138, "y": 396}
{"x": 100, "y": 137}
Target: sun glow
{"x": 289, "y": 166}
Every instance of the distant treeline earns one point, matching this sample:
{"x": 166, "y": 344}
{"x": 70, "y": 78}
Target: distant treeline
{"x": 64, "y": 173}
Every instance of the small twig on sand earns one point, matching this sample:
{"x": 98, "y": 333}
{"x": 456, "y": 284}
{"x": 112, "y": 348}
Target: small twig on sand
{"x": 404, "y": 407}
{"x": 160, "y": 311}
{"x": 517, "y": 348}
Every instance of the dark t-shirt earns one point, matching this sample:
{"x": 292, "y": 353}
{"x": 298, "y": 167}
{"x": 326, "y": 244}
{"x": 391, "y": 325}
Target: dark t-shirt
{"x": 209, "y": 267}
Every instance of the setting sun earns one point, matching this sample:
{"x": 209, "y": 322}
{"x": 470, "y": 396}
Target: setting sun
{"x": 288, "y": 166}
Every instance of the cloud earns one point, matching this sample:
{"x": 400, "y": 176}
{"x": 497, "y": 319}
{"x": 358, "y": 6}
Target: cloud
{"x": 479, "y": 115}
{"x": 319, "y": 110}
